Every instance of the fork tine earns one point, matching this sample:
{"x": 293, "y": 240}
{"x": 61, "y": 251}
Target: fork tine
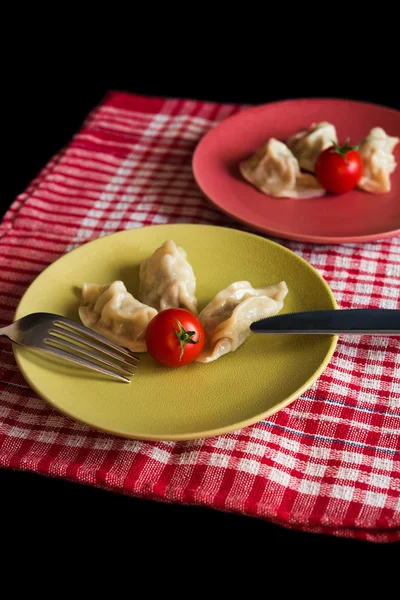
{"x": 69, "y": 335}
{"x": 65, "y": 323}
{"x": 84, "y": 362}
{"x": 58, "y": 342}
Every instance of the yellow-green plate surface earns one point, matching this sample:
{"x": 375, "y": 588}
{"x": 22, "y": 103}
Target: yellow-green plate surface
{"x": 262, "y": 376}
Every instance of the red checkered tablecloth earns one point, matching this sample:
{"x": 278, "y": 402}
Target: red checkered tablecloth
{"x": 328, "y": 463}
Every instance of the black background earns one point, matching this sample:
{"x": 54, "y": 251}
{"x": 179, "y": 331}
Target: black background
{"x": 44, "y": 104}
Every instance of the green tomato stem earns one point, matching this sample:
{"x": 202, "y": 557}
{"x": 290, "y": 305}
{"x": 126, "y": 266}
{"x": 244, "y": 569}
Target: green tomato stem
{"x": 343, "y": 150}
{"x": 184, "y": 337}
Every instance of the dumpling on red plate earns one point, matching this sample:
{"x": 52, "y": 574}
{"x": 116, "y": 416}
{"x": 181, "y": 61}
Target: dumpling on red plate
{"x": 307, "y": 144}
{"x": 376, "y": 151}
{"x": 275, "y": 171}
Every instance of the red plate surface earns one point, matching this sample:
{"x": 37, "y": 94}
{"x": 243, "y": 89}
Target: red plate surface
{"x": 356, "y": 216}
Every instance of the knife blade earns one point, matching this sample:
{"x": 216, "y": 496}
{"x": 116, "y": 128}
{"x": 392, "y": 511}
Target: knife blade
{"x": 353, "y": 321}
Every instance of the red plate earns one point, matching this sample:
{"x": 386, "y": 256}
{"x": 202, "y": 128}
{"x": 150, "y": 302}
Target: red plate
{"x": 356, "y": 216}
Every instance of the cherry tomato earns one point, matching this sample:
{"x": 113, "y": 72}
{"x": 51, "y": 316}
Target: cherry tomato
{"x": 175, "y": 337}
{"x": 339, "y": 168}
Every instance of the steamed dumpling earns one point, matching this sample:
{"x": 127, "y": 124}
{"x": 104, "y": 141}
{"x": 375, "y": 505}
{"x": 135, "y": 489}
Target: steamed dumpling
{"x": 274, "y": 170}
{"x": 307, "y": 144}
{"x": 376, "y": 151}
{"x": 113, "y": 312}
{"x": 227, "y": 318}
{"x": 167, "y": 280}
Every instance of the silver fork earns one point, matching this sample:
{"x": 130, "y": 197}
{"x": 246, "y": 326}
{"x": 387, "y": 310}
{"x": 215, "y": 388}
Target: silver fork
{"x": 72, "y": 341}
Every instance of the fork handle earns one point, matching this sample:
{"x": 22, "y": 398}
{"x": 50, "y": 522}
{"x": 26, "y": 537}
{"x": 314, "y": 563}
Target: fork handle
{"x": 353, "y": 321}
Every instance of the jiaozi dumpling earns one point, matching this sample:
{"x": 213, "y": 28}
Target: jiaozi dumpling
{"x": 274, "y": 170}
{"x": 167, "y": 280}
{"x": 227, "y": 318}
{"x": 376, "y": 151}
{"x": 307, "y": 144}
{"x": 113, "y": 312}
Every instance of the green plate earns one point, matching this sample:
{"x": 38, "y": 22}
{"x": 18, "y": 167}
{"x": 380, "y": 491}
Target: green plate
{"x": 199, "y": 400}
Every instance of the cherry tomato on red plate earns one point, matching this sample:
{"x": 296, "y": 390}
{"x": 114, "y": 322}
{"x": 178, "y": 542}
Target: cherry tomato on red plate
{"x": 175, "y": 337}
{"x": 339, "y": 168}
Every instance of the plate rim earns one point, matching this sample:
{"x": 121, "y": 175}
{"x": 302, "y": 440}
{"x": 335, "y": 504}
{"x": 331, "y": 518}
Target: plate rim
{"x": 200, "y": 434}
{"x": 270, "y": 231}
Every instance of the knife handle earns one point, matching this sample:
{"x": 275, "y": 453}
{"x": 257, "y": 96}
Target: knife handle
{"x": 353, "y": 321}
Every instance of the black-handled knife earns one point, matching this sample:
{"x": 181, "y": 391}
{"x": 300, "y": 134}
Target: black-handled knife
{"x": 353, "y": 321}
